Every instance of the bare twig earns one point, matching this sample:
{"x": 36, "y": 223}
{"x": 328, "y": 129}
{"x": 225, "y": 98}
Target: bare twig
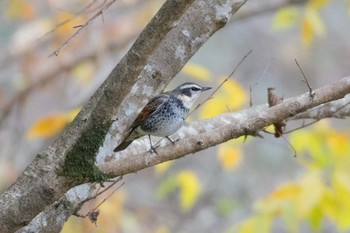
{"x": 84, "y": 10}
{"x": 230, "y": 76}
{"x": 106, "y": 198}
{"x": 98, "y": 194}
{"x": 104, "y": 190}
{"x": 290, "y": 145}
{"x": 251, "y": 87}
{"x": 311, "y": 94}
{"x": 54, "y": 73}
{"x": 94, "y": 213}
{"x": 81, "y": 27}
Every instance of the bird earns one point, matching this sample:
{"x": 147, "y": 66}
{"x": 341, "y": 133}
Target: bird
{"x": 164, "y": 114}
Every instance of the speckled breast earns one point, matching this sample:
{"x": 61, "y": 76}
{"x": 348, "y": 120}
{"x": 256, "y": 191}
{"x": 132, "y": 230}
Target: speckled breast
{"x": 167, "y": 119}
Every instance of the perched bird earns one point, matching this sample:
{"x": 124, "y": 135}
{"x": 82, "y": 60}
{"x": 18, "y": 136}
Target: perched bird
{"x": 164, "y": 114}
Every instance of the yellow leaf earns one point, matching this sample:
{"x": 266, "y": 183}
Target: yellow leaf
{"x": 340, "y": 182}
{"x": 286, "y": 17}
{"x": 248, "y": 226}
{"x": 260, "y": 223}
{"x": 190, "y": 189}
{"x": 84, "y": 72}
{"x": 339, "y": 143}
{"x": 21, "y": 9}
{"x": 72, "y": 114}
{"x": 311, "y": 192}
{"x": 307, "y": 34}
{"x": 270, "y": 129}
{"x": 279, "y": 199}
{"x": 286, "y": 191}
{"x": 67, "y": 22}
{"x": 111, "y": 210}
{"x": 312, "y": 25}
{"x": 229, "y": 156}
{"x": 50, "y": 125}
{"x": 196, "y": 71}
{"x": 311, "y": 142}
{"x": 316, "y": 22}
{"x": 231, "y": 95}
{"x": 318, "y": 4}
{"x": 163, "y": 167}
{"x": 162, "y": 229}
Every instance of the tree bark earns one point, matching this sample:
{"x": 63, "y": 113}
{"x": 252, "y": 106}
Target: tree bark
{"x": 207, "y": 133}
{"x": 199, "y": 136}
{"x": 177, "y": 31}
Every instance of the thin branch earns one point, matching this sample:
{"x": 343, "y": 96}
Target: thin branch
{"x": 311, "y": 94}
{"x": 52, "y": 74}
{"x": 109, "y": 102}
{"x": 109, "y": 195}
{"x": 81, "y": 27}
{"x": 317, "y": 120}
{"x": 290, "y": 145}
{"x": 94, "y": 213}
{"x": 84, "y": 10}
{"x": 207, "y": 133}
{"x": 104, "y": 190}
{"x": 230, "y": 76}
{"x": 251, "y": 87}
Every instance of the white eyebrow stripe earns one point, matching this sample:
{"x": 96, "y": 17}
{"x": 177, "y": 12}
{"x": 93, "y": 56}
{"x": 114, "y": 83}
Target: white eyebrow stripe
{"x": 190, "y": 85}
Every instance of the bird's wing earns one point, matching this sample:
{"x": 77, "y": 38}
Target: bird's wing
{"x": 149, "y": 109}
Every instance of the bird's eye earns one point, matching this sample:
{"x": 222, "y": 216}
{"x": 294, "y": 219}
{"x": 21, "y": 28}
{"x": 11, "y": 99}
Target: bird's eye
{"x": 195, "y": 89}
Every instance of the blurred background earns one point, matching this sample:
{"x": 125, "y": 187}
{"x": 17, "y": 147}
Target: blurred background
{"x": 252, "y": 185}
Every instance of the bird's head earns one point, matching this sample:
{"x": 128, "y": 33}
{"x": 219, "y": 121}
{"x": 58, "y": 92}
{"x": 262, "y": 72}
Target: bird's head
{"x": 188, "y": 93}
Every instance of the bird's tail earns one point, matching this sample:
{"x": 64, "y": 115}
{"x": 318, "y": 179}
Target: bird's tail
{"x": 122, "y": 146}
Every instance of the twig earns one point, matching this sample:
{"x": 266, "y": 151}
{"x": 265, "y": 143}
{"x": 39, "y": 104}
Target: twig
{"x": 251, "y": 87}
{"x": 94, "y": 213}
{"x": 290, "y": 145}
{"x": 311, "y": 94}
{"x": 84, "y": 10}
{"x": 230, "y": 76}
{"x": 104, "y": 190}
{"x": 105, "y": 199}
{"x": 81, "y": 27}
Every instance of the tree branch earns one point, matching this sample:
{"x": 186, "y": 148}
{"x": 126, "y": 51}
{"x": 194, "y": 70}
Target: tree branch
{"x": 176, "y": 32}
{"x": 207, "y": 133}
{"x": 337, "y": 109}
{"x": 200, "y": 135}
{"x": 53, "y": 218}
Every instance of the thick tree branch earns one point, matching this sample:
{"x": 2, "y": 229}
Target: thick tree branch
{"x": 53, "y": 218}
{"x": 203, "y": 134}
{"x": 207, "y": 133}
{"x": 337, "y": 109}
{"x": 177, "y": 31}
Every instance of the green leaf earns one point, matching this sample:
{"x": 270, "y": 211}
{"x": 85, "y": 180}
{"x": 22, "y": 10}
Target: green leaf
{"x": 166, "y": 187}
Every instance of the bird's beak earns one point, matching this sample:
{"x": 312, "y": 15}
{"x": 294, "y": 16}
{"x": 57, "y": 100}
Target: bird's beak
{"x": 206, "y": 88}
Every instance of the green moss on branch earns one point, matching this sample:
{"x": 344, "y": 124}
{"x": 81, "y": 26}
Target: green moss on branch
{"x": 80, "y": 161}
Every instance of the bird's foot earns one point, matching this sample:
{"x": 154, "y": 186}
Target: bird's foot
{"x": 172, "y": 142}
{"x": 153, "y": 150}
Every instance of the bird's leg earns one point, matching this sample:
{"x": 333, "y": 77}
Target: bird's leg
{"x": 172, "y": 142}
{"x": 153, "y": 149}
